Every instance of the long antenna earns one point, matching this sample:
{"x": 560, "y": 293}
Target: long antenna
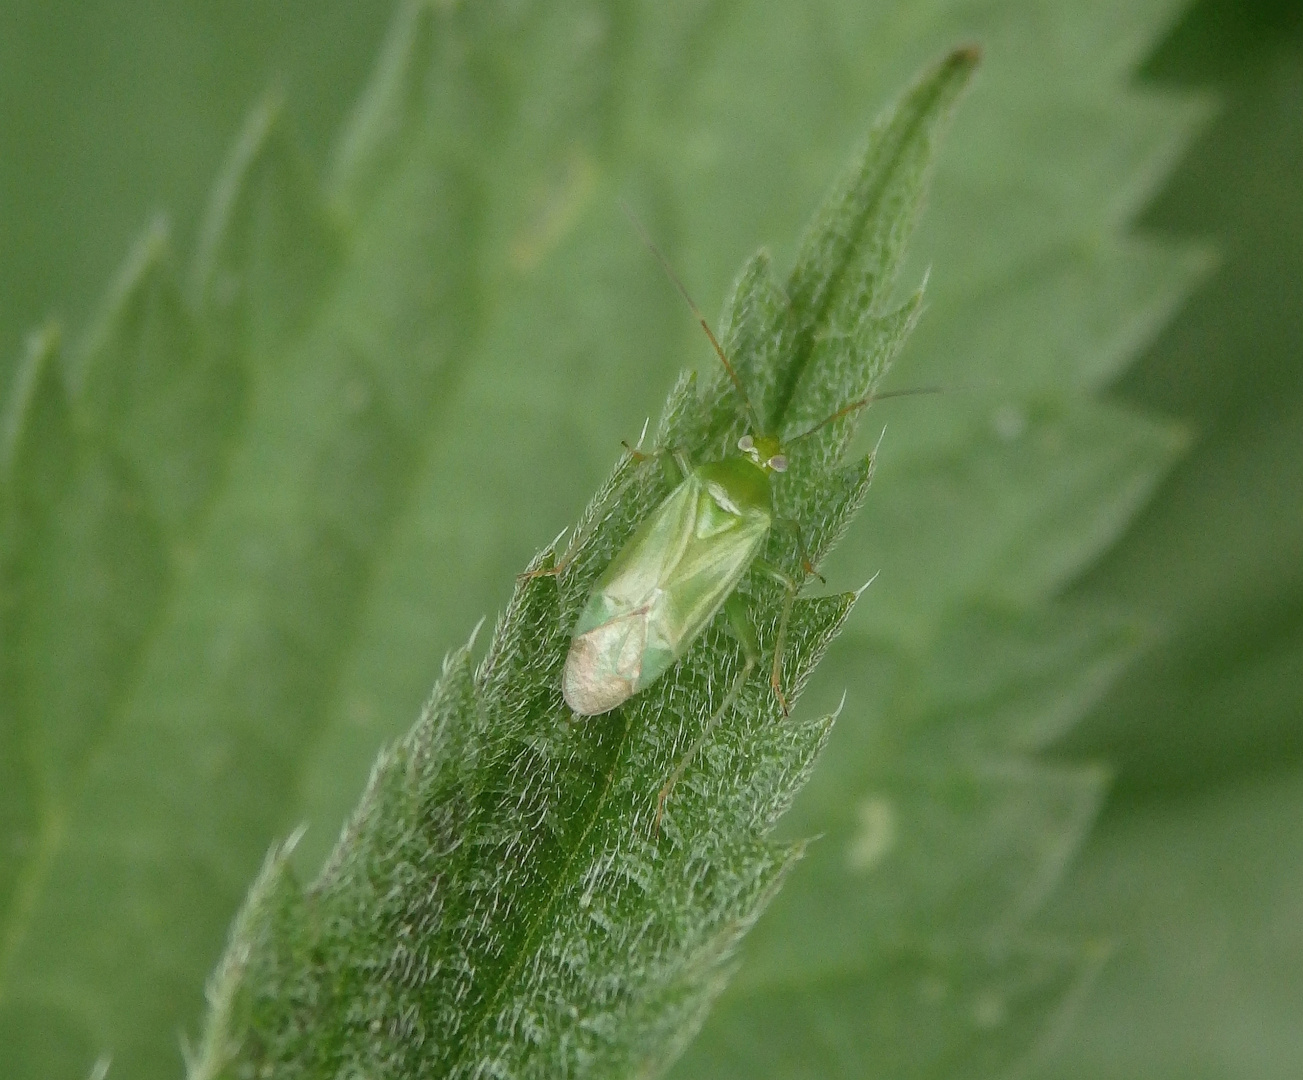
{"x": 719, "y": 351}
{"x": 863, "y": 402}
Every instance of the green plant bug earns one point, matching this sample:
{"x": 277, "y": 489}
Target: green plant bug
{"x": 672, "y": 576}
{"x": 682, "y": 564}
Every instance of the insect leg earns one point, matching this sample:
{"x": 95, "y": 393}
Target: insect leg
{"x": 792, "y": 587}
{"x": 740, "y": 623}
{"x": 677, "y": 459}
{"x": 676, "y": 462}
{"x": 546, "y": 571}
{"x": 806, "y": 562}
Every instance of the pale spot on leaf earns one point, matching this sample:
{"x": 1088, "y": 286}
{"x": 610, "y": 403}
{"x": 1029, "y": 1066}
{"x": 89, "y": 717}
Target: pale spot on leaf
{"x": 989, "y": 1010}
{"x": 875, "y": 837}
{"x": 1009, "y": 422}
{"x": 557, "y": 206}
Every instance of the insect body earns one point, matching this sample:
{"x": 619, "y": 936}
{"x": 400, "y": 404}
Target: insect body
{"x": 680, "y": 567}
{"x": 672, "y": 577}
{"x": 683, "y": 564}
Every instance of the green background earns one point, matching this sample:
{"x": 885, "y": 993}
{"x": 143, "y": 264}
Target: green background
{"x": 1200, "y": 853}
{"x": 110, "y": 113}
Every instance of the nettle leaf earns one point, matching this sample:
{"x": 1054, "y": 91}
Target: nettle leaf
{"x": 1206, "y": 910}
{"x": 503, "y": 901}
{"x": 193, "y": 499}
{"x": 242, "y": 519}
{"x": 924, "y": 1011}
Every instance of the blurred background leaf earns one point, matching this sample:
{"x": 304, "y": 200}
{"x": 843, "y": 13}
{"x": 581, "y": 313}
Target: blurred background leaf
{"x": 723, "y": 126}
{"x": 1196, "y": 864}
{"x": 509, "y": 898}
{"x": 111, "y": 113}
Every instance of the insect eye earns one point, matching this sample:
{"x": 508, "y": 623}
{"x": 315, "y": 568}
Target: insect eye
{"x": 778, "y": 463}
{"x": 746, "y": 443}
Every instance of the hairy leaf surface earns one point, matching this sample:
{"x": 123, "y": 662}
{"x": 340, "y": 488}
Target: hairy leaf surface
{"x": 276, "y": 484}
{"x": 505, "y": 902}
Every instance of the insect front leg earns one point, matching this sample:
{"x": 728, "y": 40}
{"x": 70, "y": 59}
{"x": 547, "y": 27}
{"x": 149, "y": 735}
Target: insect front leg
{"x": 677, "y": 463}
{"x": 740, "y": 623}
{"x": 677, "y": 460}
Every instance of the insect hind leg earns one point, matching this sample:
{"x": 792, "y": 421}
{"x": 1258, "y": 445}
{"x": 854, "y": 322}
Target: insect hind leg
{"x": 807, "y": 564}
{"x": 793, "y": 587}
{"x": 740, "y": 623}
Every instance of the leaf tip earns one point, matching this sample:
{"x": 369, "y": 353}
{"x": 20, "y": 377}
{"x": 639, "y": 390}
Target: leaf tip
{"x": 34, "y": 369}
{"x": 391, "y": 105}
{"x": 860, "y": 591}
{"x": 147, "y": 260}
{"x": 950, "y": 77}
{"x": 966, "y": 56}
{"x": 292, "y": 841}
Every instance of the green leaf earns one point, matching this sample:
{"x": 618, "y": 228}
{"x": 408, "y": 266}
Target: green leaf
{"x": 1036, "y": 488}
{"x": 472, "y": 334}
{"x": 1201, "y": 896}
{"x": 933, "y": 839}
{"x": 1214, "y": 561}
{"x": 1194, "y": 867}
{"x": 919, "y": 1012}
{"x": 503, "y": 900}
{"x": 179, "y": 604}
{"x": 113, "y": 112}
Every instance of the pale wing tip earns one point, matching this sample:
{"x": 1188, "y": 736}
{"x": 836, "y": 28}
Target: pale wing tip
{"x": 587, "y": 689}
{"x": 592, "y": 698}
